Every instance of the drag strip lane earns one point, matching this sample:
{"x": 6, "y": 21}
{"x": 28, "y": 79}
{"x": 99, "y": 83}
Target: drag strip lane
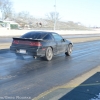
{"x": 31, "y": 77}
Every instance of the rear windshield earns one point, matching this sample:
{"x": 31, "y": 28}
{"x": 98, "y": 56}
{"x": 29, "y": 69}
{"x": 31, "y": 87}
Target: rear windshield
{"x": 34, "y": 35}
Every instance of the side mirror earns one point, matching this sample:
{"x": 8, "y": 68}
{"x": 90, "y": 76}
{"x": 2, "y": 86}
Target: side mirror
{"x": 63, "y": 40}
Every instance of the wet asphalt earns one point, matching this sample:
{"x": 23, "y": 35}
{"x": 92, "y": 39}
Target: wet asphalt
{"x": 27, "y": 77}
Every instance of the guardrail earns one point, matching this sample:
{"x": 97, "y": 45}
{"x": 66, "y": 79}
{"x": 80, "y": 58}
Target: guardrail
{"x": 10, "y": 33}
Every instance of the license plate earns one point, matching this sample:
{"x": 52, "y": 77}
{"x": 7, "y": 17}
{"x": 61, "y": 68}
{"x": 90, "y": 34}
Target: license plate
{"x": 22, "y": 51}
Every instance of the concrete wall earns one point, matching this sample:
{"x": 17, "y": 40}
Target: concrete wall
{"x": 10, "y": 33}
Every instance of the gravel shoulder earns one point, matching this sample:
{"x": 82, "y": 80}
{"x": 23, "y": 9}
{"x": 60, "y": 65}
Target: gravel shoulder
{"x": 76, "y": 40}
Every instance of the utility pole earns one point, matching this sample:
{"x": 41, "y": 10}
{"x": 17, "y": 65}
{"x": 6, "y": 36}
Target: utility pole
{"x": 55, "y": 16}
{"x": 1, "y": 15}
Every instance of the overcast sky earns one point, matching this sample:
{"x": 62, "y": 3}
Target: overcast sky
{"x": 85, "y": 11}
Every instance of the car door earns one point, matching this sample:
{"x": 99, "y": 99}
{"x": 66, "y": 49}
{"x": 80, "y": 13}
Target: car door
{"x": 61, "y": 45}
{"x": 49, "y": 41}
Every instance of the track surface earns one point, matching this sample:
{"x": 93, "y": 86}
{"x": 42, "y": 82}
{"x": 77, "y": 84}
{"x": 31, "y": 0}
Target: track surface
{"x": 28, "y": 77}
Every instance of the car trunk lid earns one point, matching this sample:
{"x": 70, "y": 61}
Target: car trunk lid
{"x": 28, "y": 42}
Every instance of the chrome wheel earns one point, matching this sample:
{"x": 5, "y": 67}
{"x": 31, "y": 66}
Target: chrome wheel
{"x": 49, "y": 53}
{"x": 69, "y": 51}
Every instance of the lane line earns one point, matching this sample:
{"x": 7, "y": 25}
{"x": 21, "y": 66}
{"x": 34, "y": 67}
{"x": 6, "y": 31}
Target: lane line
{"x": 73, "y": 83}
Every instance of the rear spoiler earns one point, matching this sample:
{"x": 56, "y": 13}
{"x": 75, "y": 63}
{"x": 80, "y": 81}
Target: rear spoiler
{"x": 29, "y": 39}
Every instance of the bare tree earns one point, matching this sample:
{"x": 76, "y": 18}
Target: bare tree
{"x": 24, "y": 18}
{"x": 53, "y": 16}
{"x": 6, "y": 8}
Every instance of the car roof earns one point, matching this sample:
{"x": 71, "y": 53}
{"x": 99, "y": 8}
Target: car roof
{"x": 41, "y": 32}
{"x": 36, "y": 34}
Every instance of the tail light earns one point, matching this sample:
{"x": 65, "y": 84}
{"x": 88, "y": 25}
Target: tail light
{"x": 35, "y": 44}
{"x": 15, "y": 42}
{"x": 27, "y": 43}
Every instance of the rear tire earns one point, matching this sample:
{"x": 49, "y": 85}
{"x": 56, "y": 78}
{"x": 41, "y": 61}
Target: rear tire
{"x": 48, "y": 54}
{"x": 69, "y": 51}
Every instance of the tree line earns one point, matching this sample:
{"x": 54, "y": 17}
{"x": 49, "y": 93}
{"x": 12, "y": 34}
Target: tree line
{"x": 26, "y": 20}
{"x": 23, "y": 18}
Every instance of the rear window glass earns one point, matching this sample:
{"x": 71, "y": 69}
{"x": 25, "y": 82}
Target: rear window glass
{"x": 48, "y": 37}
{"x": 34, "y": 35}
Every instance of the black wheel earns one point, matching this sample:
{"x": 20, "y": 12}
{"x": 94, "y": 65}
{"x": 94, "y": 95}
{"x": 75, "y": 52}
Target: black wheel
{"x": 69, "y": 51}
{"x": 48, "y": 54}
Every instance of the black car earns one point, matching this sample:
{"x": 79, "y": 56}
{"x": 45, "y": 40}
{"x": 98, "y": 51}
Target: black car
{"x": 41, "y": 44}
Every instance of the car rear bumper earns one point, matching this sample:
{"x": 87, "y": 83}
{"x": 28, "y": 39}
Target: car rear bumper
{"x": 28, "y": 51}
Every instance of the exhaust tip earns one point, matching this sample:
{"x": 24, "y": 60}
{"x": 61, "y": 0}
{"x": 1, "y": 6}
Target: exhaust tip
{"x": 35, "y": 57}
